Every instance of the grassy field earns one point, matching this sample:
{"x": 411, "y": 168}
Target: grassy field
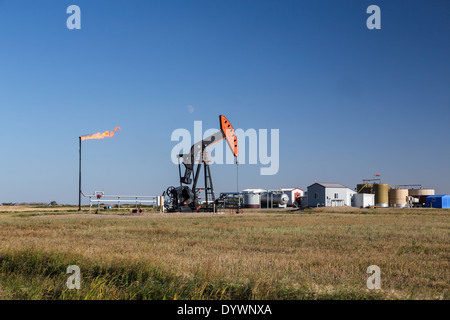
{"x": 311, "y": 254}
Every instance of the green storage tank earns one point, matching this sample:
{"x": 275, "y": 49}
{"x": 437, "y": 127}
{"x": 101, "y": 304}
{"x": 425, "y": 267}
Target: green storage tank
{"x": 381, "y": 191}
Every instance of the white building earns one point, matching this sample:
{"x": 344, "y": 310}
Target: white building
{"x": 363, "y": 200}
{"x": 329, "y": 195}
{"x": 293, "y": 194}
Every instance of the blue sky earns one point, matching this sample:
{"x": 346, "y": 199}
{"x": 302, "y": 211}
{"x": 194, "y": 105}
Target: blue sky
{"x": 349, "y": 102}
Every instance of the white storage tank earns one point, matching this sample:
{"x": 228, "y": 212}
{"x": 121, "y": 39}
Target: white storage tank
{"x": 252, "y": 200}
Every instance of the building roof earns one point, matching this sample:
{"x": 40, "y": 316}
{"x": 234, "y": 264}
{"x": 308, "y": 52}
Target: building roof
{"x": 329, "y": 185}
{"x": 438, "y": 196}
{"x": 290, "y": 189}
{"x": 254, "y": 190}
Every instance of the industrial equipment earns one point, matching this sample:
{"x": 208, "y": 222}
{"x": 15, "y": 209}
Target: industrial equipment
{"x": 230, "y": 200}
{"x": 294, "y": 195}
{"x": 274, "y": 198}
{"x": 374, "y": 186}
{"x": 420, "y": 196}
{"x": 187, "y": 198}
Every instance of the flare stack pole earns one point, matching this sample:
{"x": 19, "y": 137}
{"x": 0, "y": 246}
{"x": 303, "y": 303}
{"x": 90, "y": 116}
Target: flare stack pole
{"x": 79, "y": 179}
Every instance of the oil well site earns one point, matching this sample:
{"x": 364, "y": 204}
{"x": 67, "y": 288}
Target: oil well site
{"x": 195, "y": 189}
{"x": 235, "y": 151}
{"x": 187, "y": 243}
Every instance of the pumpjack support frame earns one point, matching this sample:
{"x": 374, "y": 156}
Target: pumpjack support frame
{"x": 184, "y": 198}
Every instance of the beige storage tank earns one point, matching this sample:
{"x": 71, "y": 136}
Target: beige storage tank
{"x": 420, "y": 192}
{"x": 381, "y": 191}
{"x": 398, "y": 197}
{"x": 421, "y": 195}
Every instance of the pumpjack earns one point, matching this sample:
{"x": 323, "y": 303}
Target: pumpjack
{"x": 187, "y": 198}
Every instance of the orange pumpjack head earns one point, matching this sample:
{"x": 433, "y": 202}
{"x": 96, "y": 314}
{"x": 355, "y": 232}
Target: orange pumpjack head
{"x": 229, "y": 133}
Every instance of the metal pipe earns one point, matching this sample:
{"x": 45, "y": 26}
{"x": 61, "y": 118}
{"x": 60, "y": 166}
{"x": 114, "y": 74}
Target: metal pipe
{"x": 406, "y": 185}
{"x": 237, "y": 184}
{"x": 206, "y": 185}
{"x": 153, "y": 200}
{"x": 179, "y": 171}
{"x": 124, "y": 201}
{"x": 79, "y": 177}
{"x": 119, "y": 196}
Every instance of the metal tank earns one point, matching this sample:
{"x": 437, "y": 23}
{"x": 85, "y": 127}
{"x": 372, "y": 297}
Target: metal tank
{"x": 252, "y": 200}
{"x": 421, "y": 195}
{"x": 381, "y": 191}
{"x": 420, "y": 192}
{"x": 277, "y": 199}
{"x": 398, "y": 198}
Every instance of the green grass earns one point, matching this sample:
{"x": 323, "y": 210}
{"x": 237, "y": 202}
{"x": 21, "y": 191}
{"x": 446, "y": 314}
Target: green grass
{"x": 36, "y": 275}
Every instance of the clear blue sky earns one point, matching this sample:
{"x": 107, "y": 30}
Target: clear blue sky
{"x": 349, "y": 102}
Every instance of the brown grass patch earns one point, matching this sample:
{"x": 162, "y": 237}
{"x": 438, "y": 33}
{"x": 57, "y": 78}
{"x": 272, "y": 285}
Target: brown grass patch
{"x": 324, "y": 252}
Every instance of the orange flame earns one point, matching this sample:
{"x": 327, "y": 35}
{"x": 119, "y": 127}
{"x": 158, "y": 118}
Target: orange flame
{"x": 98, "y": 135}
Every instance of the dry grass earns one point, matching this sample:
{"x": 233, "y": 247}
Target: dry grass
{"x": 286, "y": 255}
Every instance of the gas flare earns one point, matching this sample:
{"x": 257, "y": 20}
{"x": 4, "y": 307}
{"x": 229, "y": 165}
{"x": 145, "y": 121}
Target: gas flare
{"x": 98, "y": 135}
